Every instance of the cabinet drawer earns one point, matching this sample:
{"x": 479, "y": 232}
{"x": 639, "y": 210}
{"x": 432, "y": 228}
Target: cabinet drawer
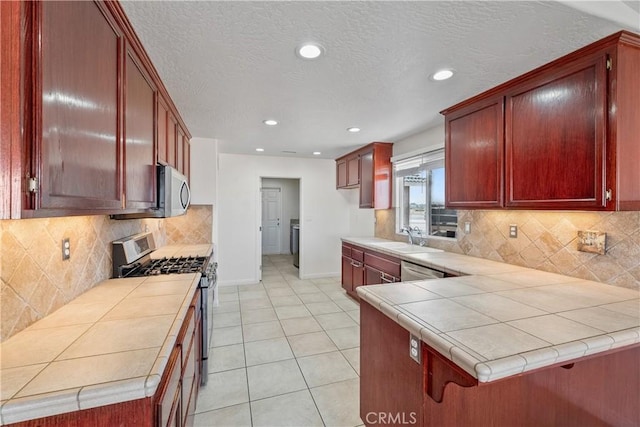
{"x": 169, "y": 395}
{"x": 357, "y": 254}
{"x": 386, "y": 264}
{"x": 346, "y": 251}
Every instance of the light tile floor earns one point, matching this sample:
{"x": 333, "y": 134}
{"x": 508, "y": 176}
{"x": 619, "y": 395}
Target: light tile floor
{"x": 284, "y": 352}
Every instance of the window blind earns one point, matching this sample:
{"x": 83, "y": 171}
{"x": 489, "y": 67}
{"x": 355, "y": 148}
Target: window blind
{"x": 419, "y": 163}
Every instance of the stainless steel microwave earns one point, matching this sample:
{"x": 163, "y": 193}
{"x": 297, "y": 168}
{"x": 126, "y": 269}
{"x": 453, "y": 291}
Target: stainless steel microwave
{"x": 174, "y": 194}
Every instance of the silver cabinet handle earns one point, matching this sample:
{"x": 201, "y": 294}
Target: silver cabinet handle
{"x": 356, "y": 264}
{"x": 385, "y": 280}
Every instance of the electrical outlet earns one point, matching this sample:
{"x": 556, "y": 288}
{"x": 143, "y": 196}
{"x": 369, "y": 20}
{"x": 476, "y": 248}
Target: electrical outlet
{"x": 513, "y": 231}
{"x": 592, "y": 241}
{"x": 467, "y": 227}
{"x": 66, "y": 249}
{"x": 414, "y": 349}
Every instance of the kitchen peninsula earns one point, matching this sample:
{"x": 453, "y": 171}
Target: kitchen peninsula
{"x": 499, "y": 345}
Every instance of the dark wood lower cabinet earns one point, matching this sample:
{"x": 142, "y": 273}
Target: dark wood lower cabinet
{"x": 597, "y": 390}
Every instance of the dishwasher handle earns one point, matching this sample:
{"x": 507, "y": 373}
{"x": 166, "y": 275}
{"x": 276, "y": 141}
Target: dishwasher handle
{"x": 410, "y": 271}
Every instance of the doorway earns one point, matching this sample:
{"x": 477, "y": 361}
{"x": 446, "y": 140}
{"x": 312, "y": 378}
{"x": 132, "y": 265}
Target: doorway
{"x": 280, "y": 219}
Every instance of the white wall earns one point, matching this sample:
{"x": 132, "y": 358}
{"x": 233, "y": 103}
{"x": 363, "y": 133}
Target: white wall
{"x": 204, "y": 178}
{"x": 431, "y": 139}
{"x": 290, "y": 192}
{"x": 325, "y": 215}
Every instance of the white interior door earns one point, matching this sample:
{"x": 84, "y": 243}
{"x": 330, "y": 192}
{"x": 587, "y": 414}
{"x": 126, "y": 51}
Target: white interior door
{"x": 271, "y": 215}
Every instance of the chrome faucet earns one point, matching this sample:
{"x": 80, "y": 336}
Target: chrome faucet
{"x": 409, "y": 230}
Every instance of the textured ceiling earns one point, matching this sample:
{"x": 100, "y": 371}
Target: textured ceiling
{"x": 230, "y": 65}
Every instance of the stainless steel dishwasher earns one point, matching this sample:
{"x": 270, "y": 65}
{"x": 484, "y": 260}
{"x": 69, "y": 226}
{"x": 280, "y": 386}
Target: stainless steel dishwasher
{"x": 410, "y": 272}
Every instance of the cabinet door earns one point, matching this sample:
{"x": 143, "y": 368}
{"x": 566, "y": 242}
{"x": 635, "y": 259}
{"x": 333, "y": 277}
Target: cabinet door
{"x": 162, "y": 126}
{"x": 172, "y": 139}
{"x": 353, "y": 171}
{"x": 357, "y": 276}
{"x": 341, "y": 173}
{"x": 76, "y": 114}
{"x": 140, "y": 169}
{"x": 347, "y": 274}
{"x": 366, "y": 180}
{"x": 474, "y": 148}
{"x": 555, "y": 138}
{"x": 372, "y": 276}
{"x": 180, "y": 150}
{"x": 186, "y": 169}
{"x": 168, "y": 406}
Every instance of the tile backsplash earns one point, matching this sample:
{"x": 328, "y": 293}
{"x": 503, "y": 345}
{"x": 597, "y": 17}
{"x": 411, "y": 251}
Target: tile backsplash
{"x": 34, "y": 279}
{"x": 546, "y": 241}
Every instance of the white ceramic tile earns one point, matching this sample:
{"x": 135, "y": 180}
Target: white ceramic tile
{"x": 151, "y": 288}
{"x": 118, "y": 391}
{"x": 262, "y": 331}
{"x": 505, "y": 367}
{"x": 224, "y": 320}
{"x": 530, "y": 277}
{"x": 339, "y": 403}
{"x": 232, "y": 416}
{"x": 569, "y": 351}
{"x": 539, "y": 298}
{"x": 353, "y": 357}
{"x": 254, "y": 304}
{"x": 75, "y": 314}
{"x": 347, "y": 304}
{"x": 294, "y": 409}
{"x": 602, "y": 319}
{"x": 107, "y": 337}
{"x": 266, "y": 351}
{"x": 13, "y": 379}
{"x": 597, "y": 344}
{"x": 446, "y": 315}
{"x": 355, "y": 315}
{"x": 226, "y": 336}
{"x": 488, "y": 284}
{"x": 300, "y": 325}
{"x": 73, "y": 373}
{"x": 403, "y": 293}
{"x": 272, "y": 379}
{"x": 496, "y": 341}
{"x": 44, "y": 405}
{"x": 314, "y": 297}
{"x": 325, "y": 368}
{"x": 280, "y": 292}
{"x": 223, "y": 389}
{"x": 248, "y": 295}
{"x": 539, "y": 358}
{"x": 630, "y": 308}
{"x": 555, "y": 329}
{"x": 291, "y": 312}
{"x": 259, "y": 315}
{"x": 225, "y": 307}
{"x": 447, "y": 288}
{"x": 304, "y": 288}
{"x": 345, "y": 337}
{"x": 285, "y": 301}
{"x": 32, "y": 346}
{"x": 335, "y": 320}
{"x": 317, "y": 308}
{"x": 498, "y": 307}
{"x": 312, "y": 343}
{"x": 226, "y": 358}
{"x": 147, "y": 306}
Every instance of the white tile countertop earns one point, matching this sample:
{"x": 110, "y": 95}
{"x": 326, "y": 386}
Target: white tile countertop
{"x": 497, "y": 320}
{"x": 109, "y": 345}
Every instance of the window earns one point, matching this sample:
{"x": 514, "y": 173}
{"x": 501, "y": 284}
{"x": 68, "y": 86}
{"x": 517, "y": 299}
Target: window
{"x": 420, "y": 196}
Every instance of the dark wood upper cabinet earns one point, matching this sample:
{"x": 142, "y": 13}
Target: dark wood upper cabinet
{"x": 162, "y": 124}
{"x": 81, "y": 112}
{"x": 140, "y": 155}
{"x": 180, "y": 151}
{"x": 186, "y": 148}
{"x": 474, "y": 155}
{"x": 369, "y": 169}
{"x": 74, "y": 115}
{"x": 569, "y": 131}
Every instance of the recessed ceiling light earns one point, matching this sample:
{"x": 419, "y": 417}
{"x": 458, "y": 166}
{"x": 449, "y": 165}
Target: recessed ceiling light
{"x": 353, "y": 129}
{"x": 309, "y": 50}
{"x": 442, "y": 75}
{"x": 260, "y": 150}
{"x": 270, "y": 122}
{"x": 316, "y": 153}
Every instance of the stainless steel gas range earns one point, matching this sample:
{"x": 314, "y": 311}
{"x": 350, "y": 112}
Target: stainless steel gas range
{"x": 133, "y": 257}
